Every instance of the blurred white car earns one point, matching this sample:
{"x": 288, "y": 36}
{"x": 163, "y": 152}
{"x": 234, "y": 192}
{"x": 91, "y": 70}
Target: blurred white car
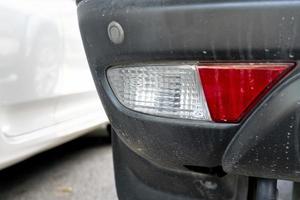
{"x": 47, "y": 95}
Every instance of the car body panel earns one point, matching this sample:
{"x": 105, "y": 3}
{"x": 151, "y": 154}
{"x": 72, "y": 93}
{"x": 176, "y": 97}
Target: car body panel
{"x": 158, "y": 31}
{"x": 47, "y": 94}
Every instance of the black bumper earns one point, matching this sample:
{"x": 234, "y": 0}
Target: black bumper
{"x": 142, "y": 179}
{"x": 152, "y": 153}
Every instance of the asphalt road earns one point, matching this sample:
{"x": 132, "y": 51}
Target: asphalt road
{"x": 79, "y": 170}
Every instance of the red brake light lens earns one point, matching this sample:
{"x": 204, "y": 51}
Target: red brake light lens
{"x": 231, "y": 90}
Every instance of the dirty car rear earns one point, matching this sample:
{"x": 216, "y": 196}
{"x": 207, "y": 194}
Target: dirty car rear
{"x": 158, "y": 157}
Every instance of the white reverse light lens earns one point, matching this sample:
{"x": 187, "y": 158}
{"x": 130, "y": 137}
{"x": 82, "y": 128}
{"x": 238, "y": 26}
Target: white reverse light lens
{"x": 164, "y": 90}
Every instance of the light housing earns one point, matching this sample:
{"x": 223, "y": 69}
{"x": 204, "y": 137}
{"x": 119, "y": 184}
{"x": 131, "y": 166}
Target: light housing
{"x": 171, "y": 90}
{"x": 220, "y": 92}
{"x": 233, "y": 89}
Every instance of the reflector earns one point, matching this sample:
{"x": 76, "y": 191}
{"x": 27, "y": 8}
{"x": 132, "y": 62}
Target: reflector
{"x": 231, "y": 90}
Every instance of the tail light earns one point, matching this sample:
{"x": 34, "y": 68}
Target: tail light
{"x": 210, "y": 92}
{"x": 231, "y": 90}
{"x": 164, "y": 90}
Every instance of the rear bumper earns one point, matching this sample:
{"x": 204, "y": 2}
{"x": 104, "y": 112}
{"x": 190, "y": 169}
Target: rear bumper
{"x": 158, "y": 31}
{"x": 142, "y": 179}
